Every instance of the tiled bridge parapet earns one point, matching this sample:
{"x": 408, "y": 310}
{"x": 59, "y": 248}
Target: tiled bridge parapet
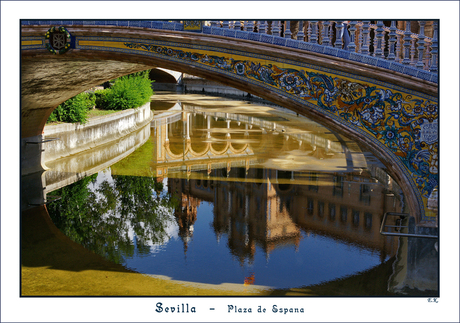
{"x": 392, "y": 113}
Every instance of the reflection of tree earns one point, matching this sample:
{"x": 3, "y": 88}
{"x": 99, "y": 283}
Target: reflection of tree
{"x": 101, "y": 219}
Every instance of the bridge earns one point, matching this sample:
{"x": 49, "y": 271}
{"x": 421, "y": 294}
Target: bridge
{"x": 381, "y": 92}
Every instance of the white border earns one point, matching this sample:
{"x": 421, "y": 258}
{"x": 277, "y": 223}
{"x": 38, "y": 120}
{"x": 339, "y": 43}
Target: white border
{"x": 16, "y": 309}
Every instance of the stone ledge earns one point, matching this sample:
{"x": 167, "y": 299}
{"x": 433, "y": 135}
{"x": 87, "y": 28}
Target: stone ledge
{"x": 75, "y": 138}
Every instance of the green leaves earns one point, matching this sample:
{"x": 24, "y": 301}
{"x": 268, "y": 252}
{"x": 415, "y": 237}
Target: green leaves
{"x": 128, "y": 92}
{"x": 100, "y": 216}
{"x": 74, "y": 109}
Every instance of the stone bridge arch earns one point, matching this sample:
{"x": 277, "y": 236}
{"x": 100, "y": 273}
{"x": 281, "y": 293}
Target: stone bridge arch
{"x": 392, "y": 114}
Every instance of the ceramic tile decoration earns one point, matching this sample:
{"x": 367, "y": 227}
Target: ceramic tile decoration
{"x": 313, "y": 35}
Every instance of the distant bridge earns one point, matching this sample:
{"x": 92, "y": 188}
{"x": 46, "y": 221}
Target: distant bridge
{"x": 382, "y": 93}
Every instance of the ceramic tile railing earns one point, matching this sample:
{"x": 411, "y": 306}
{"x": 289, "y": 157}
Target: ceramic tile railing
{"x": 387, "y": 42}
{"x": 360, "y": 41}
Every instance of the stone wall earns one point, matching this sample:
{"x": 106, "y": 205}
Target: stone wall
{"x": 75, "y": 138}
{"x": 193, "y": 84}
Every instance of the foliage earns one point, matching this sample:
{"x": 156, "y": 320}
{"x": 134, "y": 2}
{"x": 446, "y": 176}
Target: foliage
{"x": 128, "y": 92}
{"x": 74, "y": 109}
{"x": 100, "y": 218}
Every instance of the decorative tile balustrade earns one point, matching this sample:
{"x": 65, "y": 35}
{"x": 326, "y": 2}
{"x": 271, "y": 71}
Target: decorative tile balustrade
{"x": 361, "y": 41}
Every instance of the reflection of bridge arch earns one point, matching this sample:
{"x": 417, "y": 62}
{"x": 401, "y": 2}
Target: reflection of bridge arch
{"x": 311, "y": 84}
{"x": 200, "y": 135}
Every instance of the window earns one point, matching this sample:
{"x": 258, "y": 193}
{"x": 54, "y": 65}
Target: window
{"x": 355, "y": 218}
{"x": 365, "y": 194}
{"x": 368, "y": 220}
{"x": 338, "y": 186}
{"x": 332, "y": 212}
{"x": 310, "y": 206}
{"x": 321, "y": 209}
{"x": 343, "y": 214}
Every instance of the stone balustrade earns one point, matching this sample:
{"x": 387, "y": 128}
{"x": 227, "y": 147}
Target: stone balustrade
{"x": 400, "y": 46}
{"x": 381, "y": 39}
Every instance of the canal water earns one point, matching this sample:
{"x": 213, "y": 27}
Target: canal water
{"x": 234, "y": 192}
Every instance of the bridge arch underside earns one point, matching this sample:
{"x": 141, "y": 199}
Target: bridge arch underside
{"x": 393, "y": 115}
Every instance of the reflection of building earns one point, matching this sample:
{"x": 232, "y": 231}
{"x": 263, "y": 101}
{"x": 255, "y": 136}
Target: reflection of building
{"x": 269, "y": 208}
{"x": 269, "y": 181}
{"x": 186, "y": 212}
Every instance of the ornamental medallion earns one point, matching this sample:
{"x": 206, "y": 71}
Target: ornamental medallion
{"x": 57, "y": 40}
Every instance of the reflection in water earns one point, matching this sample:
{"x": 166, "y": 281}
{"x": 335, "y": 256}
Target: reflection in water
{"x": 236, "y": 195}
{"x": 105, "y": 213}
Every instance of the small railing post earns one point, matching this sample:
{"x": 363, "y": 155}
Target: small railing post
{"x": 314, "y": 35}
{"x": 399, "y": 40}
{"x": 263, "y": 27}
{"x": 276, "y": 28}
{"x": 245, "y": 25}
{"x": 352, "y": 44}
{"x": 365, "y": 45}
{"x": 338, "y": 34}
{"x": 392, "y": 41}
{"x": 421, "y": 45}
{"x": 326, "y": 39}
{"x": 412, "y": 52}
{"x": 250, "y": 25}
{"x": 378, "y": 52}
{"x": 300, "y": 34}
{"x": 237, "y": 25}
{"x": 225, "y": 24}
{"x": 406, "y": 45}
{"x": 360, "y": 37}
{"x": 434, "y": 49}
{"x": 287, "y": 29}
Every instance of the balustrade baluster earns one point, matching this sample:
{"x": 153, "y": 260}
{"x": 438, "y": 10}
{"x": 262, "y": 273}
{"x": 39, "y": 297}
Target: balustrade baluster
{"x": 384, "y": 41}
{"x": 326, "y": 39}
{"x": 237, "y": 25}
{"x": 406, "y": 45}
{"x": 365, "y": 46}
{"x": 352, "y": 44}
{"x": 245, "y": 25}
{"x": 360, "y": 37}
{"x": 421, "y": 44}
{"x": 412, "y": 51}
{"x": 215, "y": 23}
{"x": 301, "y": 34}
{"x": 276, "y": 28}
{"x": 319, "y": 32}
{"x": 338, "y": 34}
{"x": 379, "y": 37}
{"x": 346, "y": 35}
{"x": 434, "y": 49}
{"x": 308, "y": 31}
{"x": 399, "y": 40}
{"x": 426, "y": 58}
{"x": 225, "y": 24}
{"x": 250, "y": 25}
{"x": 263, "y": 27}
{"x": 392, "y": 41}
{"x": 287, "y": 29}
{"x": 314, "y": 35}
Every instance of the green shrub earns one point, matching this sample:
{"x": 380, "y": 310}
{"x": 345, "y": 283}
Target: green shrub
{"x": 74, "y": 109}
{"x": 128, "y": 92}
